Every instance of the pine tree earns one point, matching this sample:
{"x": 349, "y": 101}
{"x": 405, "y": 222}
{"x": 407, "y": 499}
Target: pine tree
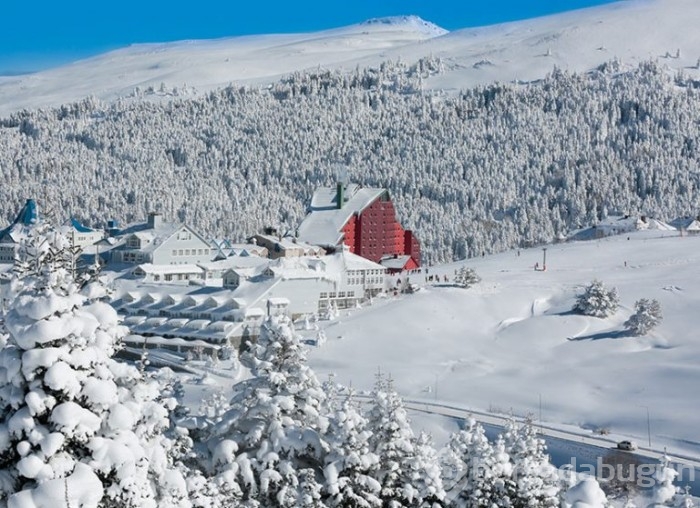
{"x": 664, "y": 491}
{"x": 78, "y": 427}
{"x": 536, "y": 478}
{"x": 586, "y": 492}
{"x": 466, "y": 277}
{"x": 646, "y": 317}
{"x": 461, "y": 460}
{"x": 597, "y": 301}
{"x": 426, "y": 473}
{"x": 394, "y": 443}
{"x": 493, "y": 480}
{"x": 274, "y": 427}
{"x": 350, "y": 467}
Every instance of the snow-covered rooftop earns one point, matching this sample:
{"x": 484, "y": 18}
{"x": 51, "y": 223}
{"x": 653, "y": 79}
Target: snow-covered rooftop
{"x": 325, "y": 220}
{"x": 394, "y": 262}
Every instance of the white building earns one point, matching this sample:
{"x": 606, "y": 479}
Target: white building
{"x": 286, "y": 247}
{"x": 11, "y": 235}
{"x": 80, "y": 235}
{"x": 161, "y": 243}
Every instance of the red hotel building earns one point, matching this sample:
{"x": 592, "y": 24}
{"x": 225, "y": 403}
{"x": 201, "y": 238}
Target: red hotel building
{"x": 364, "y": 219}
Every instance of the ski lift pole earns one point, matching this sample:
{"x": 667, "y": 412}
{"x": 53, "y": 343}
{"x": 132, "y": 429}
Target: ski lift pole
{"x": 544, "y": 259}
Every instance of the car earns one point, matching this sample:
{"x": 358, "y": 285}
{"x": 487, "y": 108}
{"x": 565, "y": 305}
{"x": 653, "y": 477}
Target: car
{"x": 627, "y": 446}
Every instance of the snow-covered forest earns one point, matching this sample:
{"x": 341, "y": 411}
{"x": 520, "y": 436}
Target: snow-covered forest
{"x": 476, "y": 172}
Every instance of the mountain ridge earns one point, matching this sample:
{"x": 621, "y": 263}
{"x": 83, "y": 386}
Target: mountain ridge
{"x": 521, "y": 51}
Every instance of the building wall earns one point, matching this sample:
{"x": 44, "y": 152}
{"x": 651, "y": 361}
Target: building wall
{"x": 412, "y": 247}
{"x": 183, "y": 248}
{"x": 376, "y": 232}
{"x": 303, "y": 294}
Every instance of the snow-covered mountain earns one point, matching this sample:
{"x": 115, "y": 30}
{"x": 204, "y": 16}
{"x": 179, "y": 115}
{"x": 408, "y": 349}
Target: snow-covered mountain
{"x": 633, "y": 31}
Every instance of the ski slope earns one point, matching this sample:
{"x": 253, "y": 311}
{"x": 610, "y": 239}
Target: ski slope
{"x": 505, "y": 344}
{"x": 631, "y": 30}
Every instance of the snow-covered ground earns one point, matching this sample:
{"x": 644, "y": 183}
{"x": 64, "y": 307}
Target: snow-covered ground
{"x": 511, "y": 340}
{"x": 632, "y": 30}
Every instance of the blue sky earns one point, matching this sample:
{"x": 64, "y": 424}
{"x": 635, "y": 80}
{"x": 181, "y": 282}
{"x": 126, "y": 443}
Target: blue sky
{"x": 46, "y": 33}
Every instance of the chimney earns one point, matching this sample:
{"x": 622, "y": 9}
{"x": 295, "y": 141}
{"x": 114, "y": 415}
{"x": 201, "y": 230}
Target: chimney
{"x": 154, "y": 220}
{"x": 112, "y": 228}
{"x": 340, "y": 187}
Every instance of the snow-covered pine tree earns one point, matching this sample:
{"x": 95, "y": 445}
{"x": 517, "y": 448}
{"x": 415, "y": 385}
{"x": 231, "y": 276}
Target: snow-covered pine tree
{"x": 664, "y": 492}
{"x": 350, "y": 466}
{"x": 466, "y": 277}
{"x": 493, "y": 483}
{"x": 460, "y": 461}
{"x": 426, "y": 473}
{"x": 597, "y": 301}
{"x": 78, "y": 428}
{"x": 275, "y": 425}
{"x": 646, "y": 317}
{"x": 536, "y": 478}
{"x": 394, "y": 443}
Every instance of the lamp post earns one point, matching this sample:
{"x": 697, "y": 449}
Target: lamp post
{"x": 648, "y": 424}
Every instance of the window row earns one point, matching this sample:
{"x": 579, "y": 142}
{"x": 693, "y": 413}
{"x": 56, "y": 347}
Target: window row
{"x": 190, "y": 252}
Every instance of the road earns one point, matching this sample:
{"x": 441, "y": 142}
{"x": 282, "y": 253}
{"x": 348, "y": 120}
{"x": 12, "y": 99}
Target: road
{"x": 564, "y": 445}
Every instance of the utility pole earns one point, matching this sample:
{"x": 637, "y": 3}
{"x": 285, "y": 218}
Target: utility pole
{"x": 540, "y": 413}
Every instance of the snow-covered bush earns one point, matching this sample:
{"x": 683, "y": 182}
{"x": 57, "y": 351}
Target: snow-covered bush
{"x": 466, "y": 277}
{"x": 597, "y": 301}
{"x": 585, "y": 494}
{"x": 646, "y": 316}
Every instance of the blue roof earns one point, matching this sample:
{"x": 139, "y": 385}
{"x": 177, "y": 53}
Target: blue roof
{"x": 79, "y": 227}
{"x": 27, "y": 216}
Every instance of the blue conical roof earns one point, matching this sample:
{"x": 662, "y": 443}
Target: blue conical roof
{"x": 28, "y": 215}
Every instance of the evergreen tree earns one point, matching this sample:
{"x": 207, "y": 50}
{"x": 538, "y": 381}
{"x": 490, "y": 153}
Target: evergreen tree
{"x": 75, "y": 421}
{"x": 597, "y": 301}
{"x": 586, "y": 493}
{"x": 536, "y": 478}
{"x": 350, "y": 467}
{"x": 275, "y": 426}
{"x": 664, "y": 492}
{"x": 394, "y": 443}
{"x": 646, "y": 317}
{"x": 466, "y": 277}
{"x": 461, "y": 460}
{"x": 493, "y": 483}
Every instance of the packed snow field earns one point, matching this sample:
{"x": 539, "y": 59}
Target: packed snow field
{"x": 511, "y": 339}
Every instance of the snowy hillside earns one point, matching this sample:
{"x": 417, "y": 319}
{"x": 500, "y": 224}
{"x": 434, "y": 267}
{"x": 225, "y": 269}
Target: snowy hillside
{"x": 210, "y": 64}
{"x": 502, "y": 344}
{"x": 633, "y": 31}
